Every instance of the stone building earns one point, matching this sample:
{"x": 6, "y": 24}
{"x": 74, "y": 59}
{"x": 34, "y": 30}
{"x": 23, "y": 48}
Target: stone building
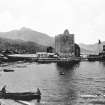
{"x": 104, "y": 48}
{"x": 64, "y": 44}
{"x": 50, "y": 49}
{"x": 77, "y": 50}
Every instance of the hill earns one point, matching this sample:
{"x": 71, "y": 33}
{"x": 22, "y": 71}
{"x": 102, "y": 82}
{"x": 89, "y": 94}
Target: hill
{"x": 92, "y": 48}
{"x": 27, "y": 34}
{"x": 20, "y": 46}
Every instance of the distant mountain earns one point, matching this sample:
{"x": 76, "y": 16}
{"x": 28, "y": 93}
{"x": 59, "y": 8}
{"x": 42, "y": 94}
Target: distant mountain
{"x": 27, "y": 34}
{"x": 92, "y": 48}
{"x": 85, "y": 51}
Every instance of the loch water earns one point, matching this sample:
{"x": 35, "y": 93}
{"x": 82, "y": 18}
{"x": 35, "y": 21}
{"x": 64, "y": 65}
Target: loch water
{"x": 80, "y": 84}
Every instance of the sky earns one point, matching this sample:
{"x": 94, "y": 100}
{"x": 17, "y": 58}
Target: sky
{"x": 84, "y": 18}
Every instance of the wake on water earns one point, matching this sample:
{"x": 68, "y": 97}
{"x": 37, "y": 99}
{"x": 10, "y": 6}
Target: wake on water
{"x": 92, "y": 96}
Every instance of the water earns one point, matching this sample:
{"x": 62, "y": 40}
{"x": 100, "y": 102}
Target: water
{"x": 79, "y": 85}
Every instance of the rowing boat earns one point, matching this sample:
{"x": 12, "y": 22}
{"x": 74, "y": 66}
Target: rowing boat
{"x": 24, "y": 96}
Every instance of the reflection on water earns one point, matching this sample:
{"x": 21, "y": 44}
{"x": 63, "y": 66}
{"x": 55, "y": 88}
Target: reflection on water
{"x": 66, "y": 87}
{"x": 67, "y": 68}
{"x": 81, "y": 84}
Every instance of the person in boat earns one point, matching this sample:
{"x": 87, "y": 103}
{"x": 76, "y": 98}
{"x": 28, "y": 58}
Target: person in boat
{"x": 4, "y": 90}
{"x": 39, "y": 93}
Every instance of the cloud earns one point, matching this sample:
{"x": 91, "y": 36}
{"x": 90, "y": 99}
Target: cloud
{"x": 8, "y": 22}
{"x": 85, "y": 18}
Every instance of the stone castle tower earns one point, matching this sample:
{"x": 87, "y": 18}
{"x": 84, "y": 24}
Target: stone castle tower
{"x": 64, "y": 44}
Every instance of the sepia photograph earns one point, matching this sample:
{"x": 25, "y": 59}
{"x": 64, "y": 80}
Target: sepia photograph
{"x": 52, "y": 52}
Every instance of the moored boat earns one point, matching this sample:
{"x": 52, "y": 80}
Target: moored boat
{"x": 93, "y": 57}
{"x": 8, "y": 70}
{"x": 28, "y": 96}
{"x": 24, "y": 96}
{"x": 21, "y": 57}
{"x": 68, "y": 61}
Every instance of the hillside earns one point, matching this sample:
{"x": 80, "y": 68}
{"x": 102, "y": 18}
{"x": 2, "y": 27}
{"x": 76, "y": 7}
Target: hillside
{"x": 27, "y": 34}
{"x": 85, "y": 51}
{"x": 92, "y": 47}
{"x": 20, "y": 46}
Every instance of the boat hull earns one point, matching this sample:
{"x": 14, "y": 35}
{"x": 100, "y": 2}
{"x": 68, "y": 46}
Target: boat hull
{"x": 20, "y": 96}
{"x": 21, "y": 57}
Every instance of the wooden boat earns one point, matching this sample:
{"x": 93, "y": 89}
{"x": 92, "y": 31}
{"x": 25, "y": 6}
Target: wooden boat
{"x": 62, "y": 73}
{"x": 8, "y": 70}
{"x": 25, "y": 96}
{"x": 21, "y": 57}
